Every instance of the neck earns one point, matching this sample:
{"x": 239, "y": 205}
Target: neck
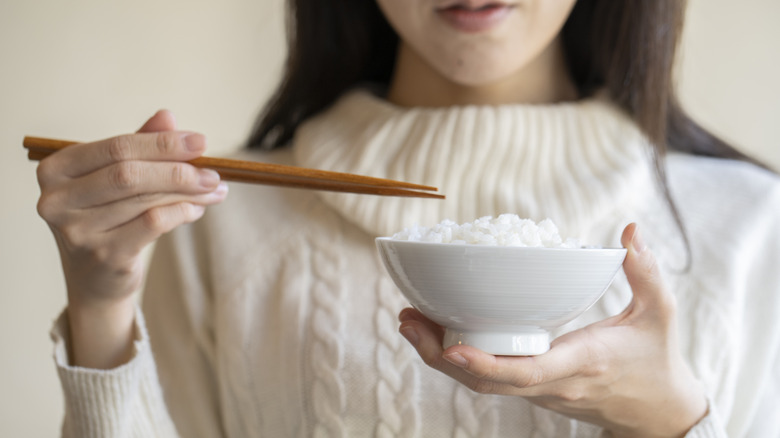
{"x": 544, "y": 80}
{"x": 571, "y": 162}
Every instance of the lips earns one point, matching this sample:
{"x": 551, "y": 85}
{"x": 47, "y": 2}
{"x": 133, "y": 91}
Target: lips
{"x": 473, "y": 16}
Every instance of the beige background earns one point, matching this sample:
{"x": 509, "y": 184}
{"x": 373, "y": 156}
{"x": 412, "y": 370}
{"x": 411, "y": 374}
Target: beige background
{"x": 88, "y": 69}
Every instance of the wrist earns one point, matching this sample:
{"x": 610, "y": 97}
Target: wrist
{"x": 689, "y": 406}
{"x": 101, "y": 332}
{"x": 678, "y": 416}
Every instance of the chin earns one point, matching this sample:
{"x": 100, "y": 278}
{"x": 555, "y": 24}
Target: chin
{"x": 477, "y": 78}
{"x": 476, "y": 73}
{"x": 476, "y": 65}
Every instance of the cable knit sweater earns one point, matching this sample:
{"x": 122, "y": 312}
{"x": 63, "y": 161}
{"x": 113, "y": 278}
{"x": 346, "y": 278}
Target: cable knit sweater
{"x": 273, "y": 316}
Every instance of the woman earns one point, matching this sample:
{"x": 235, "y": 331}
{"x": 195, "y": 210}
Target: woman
{"x": 272, "y": 316}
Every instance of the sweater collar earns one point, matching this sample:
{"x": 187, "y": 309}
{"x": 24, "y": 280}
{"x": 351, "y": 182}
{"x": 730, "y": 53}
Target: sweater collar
{"x": 570, "y": 162}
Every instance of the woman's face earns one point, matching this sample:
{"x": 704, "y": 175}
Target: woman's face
{"x": 477, "y": 42}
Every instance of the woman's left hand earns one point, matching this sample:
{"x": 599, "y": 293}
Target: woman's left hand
{"x": 625, "y": 373}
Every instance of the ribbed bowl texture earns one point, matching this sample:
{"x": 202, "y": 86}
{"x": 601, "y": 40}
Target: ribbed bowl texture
{"x": 499, "y": 298}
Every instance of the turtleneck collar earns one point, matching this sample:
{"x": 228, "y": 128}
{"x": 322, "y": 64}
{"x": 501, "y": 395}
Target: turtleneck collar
{"x": 572, "y": 162}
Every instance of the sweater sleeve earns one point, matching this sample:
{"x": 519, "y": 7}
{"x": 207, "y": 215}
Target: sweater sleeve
{"x": 735, "y": 247}
{"x": 169, "y": 385}
{"x": 121, "y": 402}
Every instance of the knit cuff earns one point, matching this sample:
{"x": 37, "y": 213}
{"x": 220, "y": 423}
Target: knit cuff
{"x": 125, "y": 401}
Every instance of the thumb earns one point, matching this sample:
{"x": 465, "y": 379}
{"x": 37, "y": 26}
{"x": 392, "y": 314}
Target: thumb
{"x": 644, "y": 276}
{"x": 163, "y": 120}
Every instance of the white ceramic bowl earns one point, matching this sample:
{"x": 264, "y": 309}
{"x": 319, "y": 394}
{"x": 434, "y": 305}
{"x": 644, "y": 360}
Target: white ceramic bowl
{"x": 500, "y": 299}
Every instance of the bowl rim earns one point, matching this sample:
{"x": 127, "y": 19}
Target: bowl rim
{"x": 386, "y": 239}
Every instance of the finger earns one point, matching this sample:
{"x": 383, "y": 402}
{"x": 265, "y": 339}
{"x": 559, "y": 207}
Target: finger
{"x": 487, "y": 373}
{"x": 137, "y": 179}
{"x": 162, "y": 120}
{"x": 644, "y": 277}
{"x": 135, "y": 235}
{"x": 426, "y": 337}
{"x": 411, "y": 314}
{"x": 110, "y": 216}
{"x": 565, "y": 359}
{"x": 81, "y": 159}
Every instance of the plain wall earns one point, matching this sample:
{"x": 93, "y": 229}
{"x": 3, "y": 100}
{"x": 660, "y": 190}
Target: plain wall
{"x": 89, "y": 69}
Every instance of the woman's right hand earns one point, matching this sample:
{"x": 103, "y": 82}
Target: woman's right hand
{"x": 105, "y": 202}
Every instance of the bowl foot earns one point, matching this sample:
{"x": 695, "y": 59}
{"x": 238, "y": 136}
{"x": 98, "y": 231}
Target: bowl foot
{"x": 529, "y": 343}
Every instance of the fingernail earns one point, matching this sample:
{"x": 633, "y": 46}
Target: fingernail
{"x": 638, "y": 242}
{"x": 456, "y": 359}
{"x": 208, "y": 178}
{"x": 194, "y": 142}
{"x": 411, "y": 335}
{"x": 220, "y": 192}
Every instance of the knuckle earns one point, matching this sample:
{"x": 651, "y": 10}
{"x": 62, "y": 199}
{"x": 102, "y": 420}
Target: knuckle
{"x": 166, "y": 143}
{"x": 531, "y": 378}
{"x": 154, "y": 220}
{"x": 73, "y": 236}
{"x": 104, "y": 256}
{"x": 483, "y": 372}
{"x": 124, "y": 175}
{"x": 50, "y": 207}
{"x": 597, "y": 368}
{"x": 479, "y": 373}
{"x": 181, "y": 174}
{"x": 482, "y": 386}
{"x": 570, "y": 394}
{"x": 46, "y": 207}
{"x": 431, "y": 360}
{"x": 44, "y": 171}
{"x": 120, "y": 148}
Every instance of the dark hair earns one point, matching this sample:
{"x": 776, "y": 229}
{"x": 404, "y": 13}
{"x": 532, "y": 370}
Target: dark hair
{"x": 624, "y": 47}
{"x": 332, "y": 46}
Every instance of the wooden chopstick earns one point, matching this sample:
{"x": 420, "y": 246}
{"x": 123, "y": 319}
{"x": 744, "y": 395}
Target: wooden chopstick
{"x": 272, "y": 174}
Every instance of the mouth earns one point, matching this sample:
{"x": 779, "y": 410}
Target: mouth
{"x": 474, "y": 16}
{"x": 471, "y": 4}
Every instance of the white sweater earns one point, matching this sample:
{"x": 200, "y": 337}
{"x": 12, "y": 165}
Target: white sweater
{"x": 273, "y": 316}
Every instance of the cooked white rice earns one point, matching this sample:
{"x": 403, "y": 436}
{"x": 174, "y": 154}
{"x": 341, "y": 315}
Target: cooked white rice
{"x": 505, "y": 230}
